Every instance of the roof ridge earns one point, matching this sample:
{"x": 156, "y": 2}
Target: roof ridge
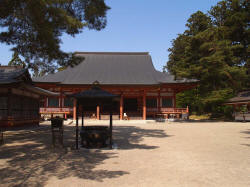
{"x": 112, "y": 53}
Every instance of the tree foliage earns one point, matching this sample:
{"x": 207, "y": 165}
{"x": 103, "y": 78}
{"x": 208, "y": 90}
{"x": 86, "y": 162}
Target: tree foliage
{"x": 16, "y": 61}
{"x": 35, "y": 27}
{"x": 215, "y": 50}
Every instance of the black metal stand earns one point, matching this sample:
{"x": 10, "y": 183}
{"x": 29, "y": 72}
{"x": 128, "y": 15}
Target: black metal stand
{"x": 97, "y": 136}
{"x": 57, "y": 131}
{"x": 110, "y": 128}
{"x": 1, "y": 137}
{"x": 82, "y": 117}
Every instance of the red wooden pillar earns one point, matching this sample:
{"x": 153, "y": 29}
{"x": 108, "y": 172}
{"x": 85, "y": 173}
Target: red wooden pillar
{"x": 74, "y": 110}
{"x": 159, "y": 100}
{"x": 98, "y": 112}
{"x": 9, "y": 103}
{"x": 174, "y": 99}
{"x": 121, "y": 107}
{"x": 61, "y": 98}
{"x": 144, "y": 111}
{"x": 46, "y": 102}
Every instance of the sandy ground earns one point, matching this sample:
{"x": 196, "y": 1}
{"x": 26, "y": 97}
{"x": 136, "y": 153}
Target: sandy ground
{"x": 152, "y": 154}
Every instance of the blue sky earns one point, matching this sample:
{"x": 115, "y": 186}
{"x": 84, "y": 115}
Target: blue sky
{"x": 134, "y": 26}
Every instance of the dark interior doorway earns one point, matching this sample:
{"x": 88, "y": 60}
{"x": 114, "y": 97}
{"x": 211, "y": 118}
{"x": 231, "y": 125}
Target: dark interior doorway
{"x": 130, "y": 104}
{"x": 116, "y": 108}
{"x": 91, "y": 108}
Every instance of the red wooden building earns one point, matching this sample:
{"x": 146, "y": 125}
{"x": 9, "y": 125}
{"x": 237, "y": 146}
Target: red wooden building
{"x": 19, "y": 98}
{"x": 241, "y": 100}
{"x": 144, "y": 92}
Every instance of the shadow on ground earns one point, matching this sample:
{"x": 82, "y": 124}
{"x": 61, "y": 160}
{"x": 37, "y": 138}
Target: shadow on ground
{"x": 130, "y": 137}
{"x": 202, "y": 121}
{"x": 247, "y": 132}
{"x": 28, "y": 159}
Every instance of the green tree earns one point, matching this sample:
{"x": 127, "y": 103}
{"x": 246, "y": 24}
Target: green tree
{"x": 234, "y": 18}
{"x": 16, "y": 61}
{"x": 210, "y": 51}
{"x": 35, "y": 27}
{"x": 197, "y": 22}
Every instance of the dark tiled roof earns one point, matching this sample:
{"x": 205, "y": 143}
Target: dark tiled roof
{"x": 16, "y": 74}
{"x": 112, "y": 69}
{"x": 241, "y": 97}
{"x": 12, "y": 74}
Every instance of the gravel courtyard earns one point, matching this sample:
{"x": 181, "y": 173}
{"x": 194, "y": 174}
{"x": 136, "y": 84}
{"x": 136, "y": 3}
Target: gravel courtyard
{"x": 152, "y": 154}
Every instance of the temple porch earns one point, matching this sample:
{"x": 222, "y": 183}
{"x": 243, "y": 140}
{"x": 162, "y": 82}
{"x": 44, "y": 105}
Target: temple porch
{"x": 132, "y": 104}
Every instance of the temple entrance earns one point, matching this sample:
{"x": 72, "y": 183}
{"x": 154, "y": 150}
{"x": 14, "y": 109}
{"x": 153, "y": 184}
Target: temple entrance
{"x": 116, "y": 108}
{"x": 91, "y": 112}
{"x": 132, "y": 108}
{"x": 130, "y": 105}
{"x": 104, "y": 111}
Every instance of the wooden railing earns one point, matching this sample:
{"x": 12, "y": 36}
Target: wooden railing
{"x": 56, "y": 110}
{"x": 168, "y": 110}
{"x": 239, "y": 116}
{"x": 162, "y": 110}
{"x": 241, "y": 113}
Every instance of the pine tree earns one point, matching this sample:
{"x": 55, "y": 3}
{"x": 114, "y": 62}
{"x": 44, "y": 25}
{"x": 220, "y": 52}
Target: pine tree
{"x": 16, "y": 61}
{"x": 213, "y": 50}
{"x": 34, "y": 28}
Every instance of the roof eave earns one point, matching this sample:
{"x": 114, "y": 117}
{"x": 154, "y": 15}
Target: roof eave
{"x": 38, "y": 82}
{"x": 40, "y": 91}
{"x": 237, "y": 102}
